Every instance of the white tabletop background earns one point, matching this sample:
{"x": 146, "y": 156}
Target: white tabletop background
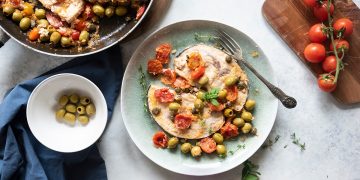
{"x": 330, "y": 130}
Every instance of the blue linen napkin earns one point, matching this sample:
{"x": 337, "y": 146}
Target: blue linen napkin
{"x": 23, "y": 157}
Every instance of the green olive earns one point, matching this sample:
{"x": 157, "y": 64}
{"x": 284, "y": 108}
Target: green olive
{"x": 178, "y": 90}
{"x": 229, "y": 113}
{"x": 25, "y": 23}
{"x": 55, "y": 37}
{"x": 84, "y": 37}
{"x": 246, "y": 128}
{"x": 83, "y": 119}
{"x": 109, "y": 11}
{"x": 173, "y": 142}
{"x": 98, "y": 10}
{"x": 203, "y": 80}
{"x": 156, "y": 111}
{"x": 91, "y": 27}
{"x": 222, "y": 94}
{"x": 8, "y": 10}
{"x": 178, "y": 98}
{"x": 228, "y": 59}
{"x": 198, "y": 104}
{"x": 90, "y": 109}
{"x": 200, "y": 95}
{"x": 231, "y": 80}
{"x": 80, "y": 110}
{"x": 196, "y": 151}
{"x": 218, "y": 138}
{"x": 65, "y": 41}
{"x": 174, "y": 106}
{"x": 85, "y": 101}
{"x": 120, "y": 10}
{"x": 51, "y": 29}
{"x": 70, "y": 108}
{"x": 124, "y": 2}
{"x": 40, "y": 13}
{"x": 247, "y": 116}
{"x": 60, "y": 114}
{"x": 250, "y": 104}
{"x": 221, "y": 149}
{"x": 44, "y": 37}
{"x": 185, "y": 148}
{"x": 43, "y": 23}
{"x": 17, "y": 16}
{"x": 70, "y": 118}
{"x": 238, "y": 122}
{"x": 74, "y": 98}
{"x": 63, "y": 100}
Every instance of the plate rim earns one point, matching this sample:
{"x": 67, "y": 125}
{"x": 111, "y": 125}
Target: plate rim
{"x": 189, "y": 172}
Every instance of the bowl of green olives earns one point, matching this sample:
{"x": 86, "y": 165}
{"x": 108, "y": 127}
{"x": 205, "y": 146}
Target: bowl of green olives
{"x": 67, "y": 112}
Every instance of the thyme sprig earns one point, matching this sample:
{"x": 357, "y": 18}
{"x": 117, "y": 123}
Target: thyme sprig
{"x": 270, "y": 142}
{"x": 144, "y": 85}
{"x": 238, "y": 147}
{"x": 250, "y": 171}
{"x": 296, "y": 141}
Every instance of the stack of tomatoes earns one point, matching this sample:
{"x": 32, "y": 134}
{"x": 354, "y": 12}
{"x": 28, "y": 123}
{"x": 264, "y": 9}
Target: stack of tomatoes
{"x": 320, "y": 34}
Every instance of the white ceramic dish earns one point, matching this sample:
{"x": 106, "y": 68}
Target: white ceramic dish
{"x": 58, "y": 136}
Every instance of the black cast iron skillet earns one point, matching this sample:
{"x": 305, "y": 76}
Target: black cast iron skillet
{"x": 112, "y": 30}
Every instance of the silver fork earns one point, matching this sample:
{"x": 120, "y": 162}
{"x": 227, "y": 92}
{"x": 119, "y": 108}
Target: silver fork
{"x": 235, "y": 52}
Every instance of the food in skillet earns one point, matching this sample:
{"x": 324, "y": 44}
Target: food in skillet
{"x": 203, "y": 99}
{"x": 68, "y": 23}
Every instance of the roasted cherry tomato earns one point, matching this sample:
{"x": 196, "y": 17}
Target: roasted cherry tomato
{"x": 229, "y": 130}
{"x": 34, "y": 34}
{"x": 316, "y": 33}
{"x": 198, "y": 72}
{"x": 181, "y": 83}
{"x": 310, "y": 3}
{"x": 320, "y": 11}
{"x": 163, "y": 53}
{"x": 326, "y": 82}
{"x": 168, "y": 76}
{"x": 140, "y": 12}
{"x": 164, "y": 95}
{"x": 343, "y": 27}
{"x": 329, "y": 65}
{"x": 75, "y": 35}
{"x": 232, "y": 93}
{"x": 314, "y": 52}
{"x": 208, "y": 145}
{"x": 155, "y": 67}
{"x": 160, "y": 139}
{"x": 183, "y": 121}
{"x": 194, "y": 60}
{"x": 341, "y": 46}
{"x": 80, "y": 24}
{"x": 212, "y": 107}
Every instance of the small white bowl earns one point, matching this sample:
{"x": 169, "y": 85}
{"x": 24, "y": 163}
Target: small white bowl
{"x": 59, "y": 136}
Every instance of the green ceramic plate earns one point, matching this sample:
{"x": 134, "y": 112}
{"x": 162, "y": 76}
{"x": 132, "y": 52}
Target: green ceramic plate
{"x": 141, "y": 127}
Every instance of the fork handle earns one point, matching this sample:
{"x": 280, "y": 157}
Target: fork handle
{"x": 287, "y": 101}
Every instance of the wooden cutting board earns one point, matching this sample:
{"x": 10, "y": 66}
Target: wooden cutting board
{"x": 291, "y": 19}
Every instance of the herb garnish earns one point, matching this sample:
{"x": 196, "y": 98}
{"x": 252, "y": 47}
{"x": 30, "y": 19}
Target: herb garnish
{"x": 249, "y": 171}
{"x": 270, "y": 142}
{"x": 239, "y": 146}
{"x": 212, "y": 96}
{"x": 144, "y": 85}
{"x": 296, "y": 141}
{"x": 200, "y": 37}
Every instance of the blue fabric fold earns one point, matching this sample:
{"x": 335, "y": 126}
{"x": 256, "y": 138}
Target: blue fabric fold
{"x": 23, "y": 157}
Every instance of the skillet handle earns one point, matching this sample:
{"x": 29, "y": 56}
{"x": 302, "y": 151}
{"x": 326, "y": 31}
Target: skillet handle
{"x": 3, "y": 38}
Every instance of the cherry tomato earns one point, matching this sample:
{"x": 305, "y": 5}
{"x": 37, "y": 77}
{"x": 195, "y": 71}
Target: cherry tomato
{"x": 314, "y": 52}
{"x": 194, "y": 60}
{"x": 341, "y": 46}
{"x": 75, "y": 35}
{"x": 154, "y": 67}
{"x": 316, "y": 33}
{"x": 160, "y": 139}
{"x": 183, "y": 121}
{"x": 232, "y": 93}
{"x": 168, "y": 77}
{"x": 80, "y": 24}
{"x": 140, "y": 12}
{"x": 326, "y": 82}
{"x": 198, "y": 72}
{"x": 310, "y": 3}
{"x": 208, "y": 145}
{"x": 329, "y": 65}
{"x": 343, "y": 27}
{"x": 229, "y": 130}
{"x": 34, "y": 34}
{"x": 320, "y": 11}
{"x": 164, "y": 95}
{"x": 212, "y": 107}
{"x": 181, "y": 83}
{"x": 163, "y": 53}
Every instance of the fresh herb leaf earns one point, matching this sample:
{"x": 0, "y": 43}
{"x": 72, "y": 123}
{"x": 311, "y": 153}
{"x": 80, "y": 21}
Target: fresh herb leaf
{"x": 250, "y": 172}
{"x": 205, "y": 38}
{"x": 270, "y": 142}
{"x": 296, "y": 141}
{"x": 144, "y": 85}
{"x": 214, "y": 102}
{"x": 212, "y": 95}
{"x": 239, "y": 146}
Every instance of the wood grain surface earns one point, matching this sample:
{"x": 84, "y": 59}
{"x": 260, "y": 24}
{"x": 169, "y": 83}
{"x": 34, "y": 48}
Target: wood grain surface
{"x": 291, "y": 19}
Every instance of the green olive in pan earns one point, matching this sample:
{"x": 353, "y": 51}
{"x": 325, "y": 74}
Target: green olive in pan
{"x": 90, "y": 109}
{"x": 65, "y": 41}
{"x": 246, "y": 128}
{"x": 55, "y": 37}
{"x": 238, "y": 122}
{"x": 40, "y": 13}
{"x": 222, "y": 94}
{"x": 124, "y": 2}
{"x": 17, "y": 16}
{"x": 98, "y": 10}
{"x": 185, "y": 148}
{"x": 200, "y": 95}
{"x": 231, "y": 80}
{"x": 120, "y": 10}
{"x": 250, "y": 104}
{"x": 220, "y": 149}
{"x": 229, "y": 113}
{"x": 84, "y": 37}
{"x": 174, "y": 106}
{"x": 25, "y": 23}
{"x": 43, "y": 23}
{"x": 8, "y": 10}
{"x": 218, "y": 138}
{"x": 196, "y": 151}
{"x": 173, "y": 142}
{"x": 247, "y": 116}
{"x": 203, "y": 80}
{"x": 109, "y": 11}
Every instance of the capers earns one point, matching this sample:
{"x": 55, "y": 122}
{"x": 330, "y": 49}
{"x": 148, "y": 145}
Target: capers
{"x": 231, "y": 80}
{"x": 196, "y": 151}
{"x": 70, "y": 118}
{"x": 173, "y": 142}
{"x": 55, "y": 37}
{"x": 40, "y": 13}
{"x": 220, "y": 149}
{"x": 228, "y": 59}
{"x": 203, "y": 80}
{"x": 84, "y": 37}
{"x": 109, "y": 11}
{"x": 74, "y": 98}
{"x": 17, "y": 16}
{"x": 25, "y": 23}
{"x": 229, "y": 113}
{"x": 83, "y": 119}
{"x": 84, "y": 101}
{"x": 60, "y": 114}
{"x": 250, "y": 104}
{"x": 247, "y": 116}
{"x": 63, "y": 100}
{"x": 120, "y": 10}
{"x": 90, "y": 109}
{"x": 200, "y": 95}
{"x": 198, "y": 104}
{"x": 98, "y": 10}
{"x": 70, "y": 108}
{"x": 156, "y": 111}
{"x": 246, "y": 128}
{"x": 222, "y": 94}
{"x": 185, "y": 148}
{"x": 178, "y": 90}
{"x": 218, "y": 138}
{"x": 174, "y": 106}
{"x": 8, "y": 10}
{"x": 43, "y": 23}
{"x": 238, "y": 122}
{"x": 65, "y": 41}
{"x": 80, "y": 110}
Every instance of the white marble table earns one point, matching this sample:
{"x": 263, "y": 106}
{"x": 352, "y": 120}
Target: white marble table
{"x": 330, "y": 130}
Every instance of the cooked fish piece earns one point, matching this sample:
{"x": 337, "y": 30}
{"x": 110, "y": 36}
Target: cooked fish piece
{"x": 67, "y": 10}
